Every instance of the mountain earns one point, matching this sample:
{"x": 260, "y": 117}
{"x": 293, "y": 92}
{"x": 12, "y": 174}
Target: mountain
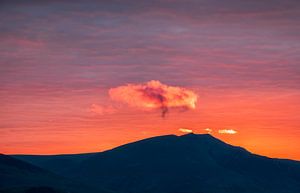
{"x": 178, "y": 164}
{"x": 58, "y": 164}
{"x": 188, "y": 164}
{"x": 17, "y": 176}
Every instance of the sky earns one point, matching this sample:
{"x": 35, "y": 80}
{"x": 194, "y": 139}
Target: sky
{"x": 87, "y": 76}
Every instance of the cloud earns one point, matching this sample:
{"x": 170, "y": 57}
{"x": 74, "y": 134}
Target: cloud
{"x": 155, "y": 95}
{"x": 208, "y": 130}
{"x": 102, "y": 110}
{"x": 227, "y": 131}
{"x": 184, "y": 130}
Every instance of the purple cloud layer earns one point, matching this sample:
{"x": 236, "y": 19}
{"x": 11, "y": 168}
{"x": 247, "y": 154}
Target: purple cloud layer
{"x": 59, "y": 58}
{"x": 207, "y": 43}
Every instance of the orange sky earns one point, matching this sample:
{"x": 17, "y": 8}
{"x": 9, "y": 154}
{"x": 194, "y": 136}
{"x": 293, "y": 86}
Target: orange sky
{"x": 266, "y": 123}
{"x": 59, "y": 60}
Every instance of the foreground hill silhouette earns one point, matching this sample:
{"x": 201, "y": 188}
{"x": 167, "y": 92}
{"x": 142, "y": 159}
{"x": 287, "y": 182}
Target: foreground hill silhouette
{"x": 17, "y": 176}
{"x": 59, "y": 164}
{"x": 177, "y": 164}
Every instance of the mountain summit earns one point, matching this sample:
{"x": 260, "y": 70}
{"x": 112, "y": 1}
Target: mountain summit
{"x": 190, "y": 163}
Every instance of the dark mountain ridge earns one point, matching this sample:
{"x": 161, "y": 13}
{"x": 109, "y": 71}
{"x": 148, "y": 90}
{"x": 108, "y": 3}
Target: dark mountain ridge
{"x": 17, "y": 176}
{"x": 58, "y": 164}
{"x": 188, "y": 164}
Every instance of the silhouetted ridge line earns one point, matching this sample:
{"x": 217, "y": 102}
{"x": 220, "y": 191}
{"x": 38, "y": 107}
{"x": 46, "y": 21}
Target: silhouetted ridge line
{"x": 191, "y": 163}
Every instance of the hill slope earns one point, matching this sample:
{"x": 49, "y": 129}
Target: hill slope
{"x": 58, "y": 164}
{"x": 177, "y": 164}
{"x": 189, "y": 163}
{"x": 19, "y": 176}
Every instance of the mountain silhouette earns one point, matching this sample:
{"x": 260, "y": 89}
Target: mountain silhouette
{"x": 189, "y": 163}
{"x": 17, "y": 176}
{"x": 58, "y": 164}
{"x": 179, "y": 164}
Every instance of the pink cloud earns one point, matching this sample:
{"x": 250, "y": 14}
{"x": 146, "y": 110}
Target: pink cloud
{"x": 155, "y": 95}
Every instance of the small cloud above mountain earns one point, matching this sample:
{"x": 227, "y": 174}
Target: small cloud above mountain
{"x": 208, "y": 130}
{"x": 184, "y": 130}
{"x": 227, "y": 131}
{"x": 155, "y": 95}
